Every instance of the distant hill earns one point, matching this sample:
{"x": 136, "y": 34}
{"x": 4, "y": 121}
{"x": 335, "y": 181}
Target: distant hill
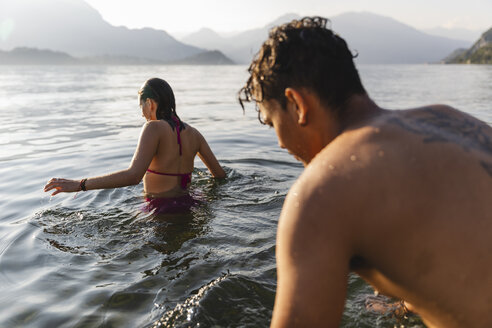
{"x": 479, "y": 53}
{"x": 377, "y": 39}
{"x": 74, "y": 27}
{"x": 454, "y": 54}
{"x": 214, "y": 57}
{"x": 33, "y": 56}
{"x": 30, "y": 56}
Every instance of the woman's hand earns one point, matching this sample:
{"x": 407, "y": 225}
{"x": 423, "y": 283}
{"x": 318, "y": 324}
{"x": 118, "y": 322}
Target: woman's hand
{"x": 62, "y": 185}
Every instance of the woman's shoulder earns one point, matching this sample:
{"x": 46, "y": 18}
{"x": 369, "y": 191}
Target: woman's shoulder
{"x": 191, "y": 129}
{"x": 162, "y": 127}
{"x": 195, "y": 135}
{"x": 156, "y": 128}
{"x": 157, "y": 125}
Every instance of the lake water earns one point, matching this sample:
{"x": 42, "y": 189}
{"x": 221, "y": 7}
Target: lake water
{"x": 95, "y": 259}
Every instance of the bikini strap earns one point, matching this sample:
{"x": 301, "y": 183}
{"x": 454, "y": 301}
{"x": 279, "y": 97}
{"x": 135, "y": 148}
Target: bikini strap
{"x": 185, "y": 177}
{"x": 177, "y": 132}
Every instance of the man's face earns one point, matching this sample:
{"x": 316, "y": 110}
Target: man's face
{"x": 284, "y": 121}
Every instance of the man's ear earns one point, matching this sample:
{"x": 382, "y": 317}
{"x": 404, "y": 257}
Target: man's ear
{"x": 297, "y": 98}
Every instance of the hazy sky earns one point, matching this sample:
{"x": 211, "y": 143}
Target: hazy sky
{"x": 183, "y": 16}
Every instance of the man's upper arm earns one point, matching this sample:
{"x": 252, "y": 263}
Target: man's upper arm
{"x": 312, "y": 262}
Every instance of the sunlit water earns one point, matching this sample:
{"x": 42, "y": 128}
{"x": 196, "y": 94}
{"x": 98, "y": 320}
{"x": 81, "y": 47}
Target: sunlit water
{"x": 95, "y": 259}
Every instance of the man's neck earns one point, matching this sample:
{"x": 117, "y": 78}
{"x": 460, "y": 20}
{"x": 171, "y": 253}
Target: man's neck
{"x": 357, "y": 110}
{"x": 324, "y": 126}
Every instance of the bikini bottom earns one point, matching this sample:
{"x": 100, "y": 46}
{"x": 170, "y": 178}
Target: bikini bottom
{"x": 177, "y": 204}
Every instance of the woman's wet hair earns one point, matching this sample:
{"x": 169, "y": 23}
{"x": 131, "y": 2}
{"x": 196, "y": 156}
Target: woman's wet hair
{"x": 303, "y": 54}
{"x": 161, "y": 92}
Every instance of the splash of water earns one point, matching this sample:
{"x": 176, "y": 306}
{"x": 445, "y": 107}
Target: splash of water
{"x": 186, "y": 310}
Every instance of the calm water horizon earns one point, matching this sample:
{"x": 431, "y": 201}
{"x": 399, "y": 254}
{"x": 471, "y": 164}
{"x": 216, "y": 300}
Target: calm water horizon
{"x": 95, "y": 259}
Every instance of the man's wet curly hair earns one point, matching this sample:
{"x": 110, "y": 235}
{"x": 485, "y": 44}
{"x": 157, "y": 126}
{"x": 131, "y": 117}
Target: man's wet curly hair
{"x": 303, "y": 53}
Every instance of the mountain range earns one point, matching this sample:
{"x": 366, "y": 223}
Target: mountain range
{"x": 79, "y": 31}
{"x": 377, "y": 40}
{"x": 75, "y": 28}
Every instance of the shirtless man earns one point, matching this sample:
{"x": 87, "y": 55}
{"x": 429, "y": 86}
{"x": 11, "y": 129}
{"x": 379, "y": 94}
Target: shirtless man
{"x": 403, "y": 198}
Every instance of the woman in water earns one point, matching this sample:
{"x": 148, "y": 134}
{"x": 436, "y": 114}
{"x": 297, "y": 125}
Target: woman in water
{"x": 164, "y": 156}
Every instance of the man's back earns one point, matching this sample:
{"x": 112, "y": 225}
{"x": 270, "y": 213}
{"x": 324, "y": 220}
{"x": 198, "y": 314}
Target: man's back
{"x": 405, "y": 198}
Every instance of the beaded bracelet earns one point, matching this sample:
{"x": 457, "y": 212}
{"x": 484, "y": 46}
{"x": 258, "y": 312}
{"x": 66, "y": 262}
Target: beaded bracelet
{"x": 82, "y": 185}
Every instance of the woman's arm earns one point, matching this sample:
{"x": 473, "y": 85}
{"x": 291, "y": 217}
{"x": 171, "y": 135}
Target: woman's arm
{"x": 208, "y": 158}
{"x": 146, "y": 148}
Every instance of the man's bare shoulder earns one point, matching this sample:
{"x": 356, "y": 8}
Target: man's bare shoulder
{"x": 401, "y": 154}
{"x": 440, "y": 123}
{"x": 404, "y": 136}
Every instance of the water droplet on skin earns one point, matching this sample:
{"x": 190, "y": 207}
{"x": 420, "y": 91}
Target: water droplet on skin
{"x": 331, "y": 167}
{"x": 377, "y": 130}
{"x": 296, "y": 204}
{"x": 381, "y": 153}
{"x": 353, "y": 158}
